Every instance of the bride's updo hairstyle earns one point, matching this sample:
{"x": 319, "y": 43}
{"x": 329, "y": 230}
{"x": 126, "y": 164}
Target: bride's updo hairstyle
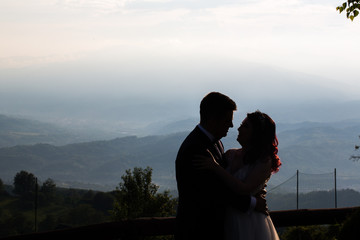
{"x": 264, "y": 140}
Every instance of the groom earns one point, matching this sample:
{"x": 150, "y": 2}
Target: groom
{"x": 203, "y": 198}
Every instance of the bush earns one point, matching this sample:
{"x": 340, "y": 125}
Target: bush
{"x": 350, "y": 228}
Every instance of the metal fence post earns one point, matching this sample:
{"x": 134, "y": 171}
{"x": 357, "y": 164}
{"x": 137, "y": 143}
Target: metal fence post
{"x": 297, "y": 189}
{"x": 335, "y": 188}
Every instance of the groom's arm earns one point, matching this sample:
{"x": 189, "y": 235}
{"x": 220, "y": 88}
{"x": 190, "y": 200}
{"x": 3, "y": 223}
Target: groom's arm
{"x": 234, "y": 192}
{"x": 216, "y": 188}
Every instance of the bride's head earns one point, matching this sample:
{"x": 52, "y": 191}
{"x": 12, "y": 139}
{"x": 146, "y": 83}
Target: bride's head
{"x": 257, "y": 134}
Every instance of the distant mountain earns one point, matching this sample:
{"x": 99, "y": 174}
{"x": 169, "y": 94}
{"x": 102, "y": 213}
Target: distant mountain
{"x": 308, "y": 147}
{"x": 99, "y": 162}
{"x": 314, "y": 200}
{"x": 168, "y": 127}
{"x": 21, "y": 131}
{"x": 18, "y": 131}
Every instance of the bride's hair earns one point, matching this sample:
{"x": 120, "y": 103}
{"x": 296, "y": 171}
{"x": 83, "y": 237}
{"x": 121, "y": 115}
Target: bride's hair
{"x": 264, "y": 140}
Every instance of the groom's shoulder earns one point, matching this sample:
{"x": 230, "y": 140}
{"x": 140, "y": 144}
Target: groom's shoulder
{"x": 195, "y": 139}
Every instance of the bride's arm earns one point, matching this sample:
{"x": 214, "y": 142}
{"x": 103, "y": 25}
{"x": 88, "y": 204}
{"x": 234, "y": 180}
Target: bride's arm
{"x": 233, "y": 184}
{"x": 258, "y": 175}
{"x": 229, "y": 180}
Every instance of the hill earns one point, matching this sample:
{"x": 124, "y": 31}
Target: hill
{"x": 22, "y": 131}
{"x": 98, "y": 162}
{"x": 308, "y": 147}
{"x": 313, "y": 200}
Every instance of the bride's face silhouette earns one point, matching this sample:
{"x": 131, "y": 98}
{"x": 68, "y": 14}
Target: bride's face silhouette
{"x": 245, "y": 133}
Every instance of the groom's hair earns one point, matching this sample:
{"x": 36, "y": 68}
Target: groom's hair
{"x": 215, "y": 105}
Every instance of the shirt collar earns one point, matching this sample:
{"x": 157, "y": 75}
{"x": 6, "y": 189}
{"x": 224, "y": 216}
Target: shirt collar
{"x": 207, "y": 133}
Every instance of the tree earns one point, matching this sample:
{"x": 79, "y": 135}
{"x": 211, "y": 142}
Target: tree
{"x": 2, "y": 188}
{"x": 48, "y": 186}
{"x": 352, "y": 8}
{"x": 137, "y": 197}
{"x": 24, "y": 183}
{"x": 48, "y": 191}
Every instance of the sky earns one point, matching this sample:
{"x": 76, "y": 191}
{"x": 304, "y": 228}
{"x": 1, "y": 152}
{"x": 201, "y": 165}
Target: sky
{"x": 110, "y": 54}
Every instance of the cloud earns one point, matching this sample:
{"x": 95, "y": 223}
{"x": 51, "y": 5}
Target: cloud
{"x": 26, "y": 61}
{"x": 301, "y": 35}
{"x": 96, "y": 6}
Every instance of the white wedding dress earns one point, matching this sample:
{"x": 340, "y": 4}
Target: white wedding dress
{"x": 250, "y": 225}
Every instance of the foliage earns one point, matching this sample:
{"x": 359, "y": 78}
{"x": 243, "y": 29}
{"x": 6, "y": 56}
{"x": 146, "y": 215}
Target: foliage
{"x": 83, "y": 214}
{"x": 311, "y": 233}
{"x": 352, "y": 8}
{"x": 75, "y": 207}
{"x": 2, "y": 188}
{"x": 48, "y": 189}
{"x": 58, "y": 208}
{"x": 103, "y": 201}
{"x": 24, "y": 183}
{"x": 48, "y": 186}
{"x": 3, "y": 192}
{"x": 350, "y": 228}
{"x": 137, "y": 197}
{"x": 17, "y": 223}
{"x": 48, "y": 223}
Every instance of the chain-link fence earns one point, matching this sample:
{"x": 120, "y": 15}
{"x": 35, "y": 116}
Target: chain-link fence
{"x": 305, "y": 191}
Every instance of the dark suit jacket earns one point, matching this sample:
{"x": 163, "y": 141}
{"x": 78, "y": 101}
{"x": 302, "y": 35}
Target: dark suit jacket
{"x": 202, "y": 197}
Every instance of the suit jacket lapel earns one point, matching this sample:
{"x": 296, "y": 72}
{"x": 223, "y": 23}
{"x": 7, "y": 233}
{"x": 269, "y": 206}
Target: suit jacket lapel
{"x": 217, "y": 151}
{"x": 223, "y": 162}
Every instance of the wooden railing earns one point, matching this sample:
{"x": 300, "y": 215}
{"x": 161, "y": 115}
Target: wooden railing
{"x": 130, "y": 229}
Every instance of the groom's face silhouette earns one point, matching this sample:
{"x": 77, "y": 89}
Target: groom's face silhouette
{"x": 222, "y": 124}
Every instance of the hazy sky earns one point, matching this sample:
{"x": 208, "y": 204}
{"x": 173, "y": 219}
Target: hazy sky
{"x": 105, "y": 49}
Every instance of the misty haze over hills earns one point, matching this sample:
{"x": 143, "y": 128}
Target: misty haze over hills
{"x": 111, "y": 95}
{"x": 78, "y": 107}
{"x": 311, "y": 147}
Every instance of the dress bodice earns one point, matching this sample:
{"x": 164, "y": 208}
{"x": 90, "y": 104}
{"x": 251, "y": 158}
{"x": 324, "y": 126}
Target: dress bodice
{"x": 242, "y": 174}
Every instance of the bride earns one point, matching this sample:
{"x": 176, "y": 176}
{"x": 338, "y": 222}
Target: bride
{"x": 253, "y": 165}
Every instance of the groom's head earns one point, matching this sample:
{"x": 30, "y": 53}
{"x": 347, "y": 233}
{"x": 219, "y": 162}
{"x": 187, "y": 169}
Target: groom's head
{"x": 216, "y": 113}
